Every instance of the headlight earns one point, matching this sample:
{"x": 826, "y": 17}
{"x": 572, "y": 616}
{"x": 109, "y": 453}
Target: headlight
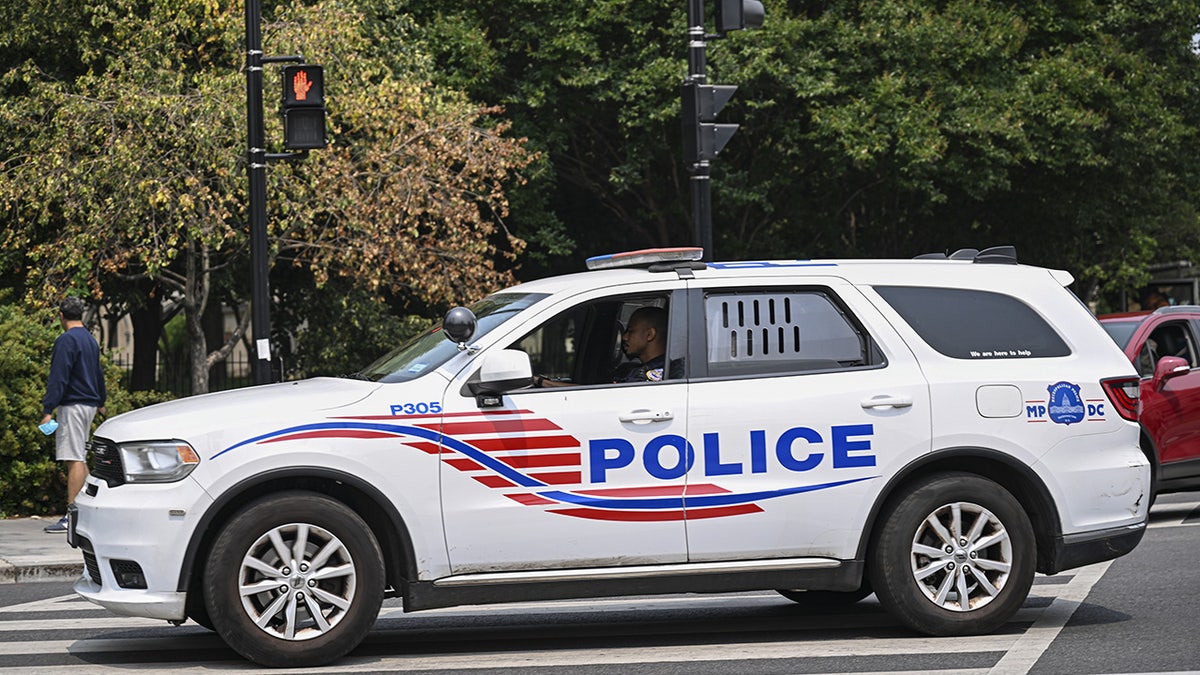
{"x": 157, "y": 461}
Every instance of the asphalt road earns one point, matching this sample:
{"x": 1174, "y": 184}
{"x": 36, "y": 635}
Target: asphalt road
{"x": 1137, "y": 614}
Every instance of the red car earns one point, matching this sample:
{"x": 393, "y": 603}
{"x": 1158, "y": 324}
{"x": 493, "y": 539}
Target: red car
{"x": 1164, "y": 346}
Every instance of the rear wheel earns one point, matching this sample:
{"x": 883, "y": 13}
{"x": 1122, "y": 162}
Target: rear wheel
{"x": 294, "y": 580}
{"x": 954, "y": 556}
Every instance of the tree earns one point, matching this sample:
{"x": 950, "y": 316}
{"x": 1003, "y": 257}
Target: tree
{"x": 881, "y": 128}
{"x": 132, "y": 170}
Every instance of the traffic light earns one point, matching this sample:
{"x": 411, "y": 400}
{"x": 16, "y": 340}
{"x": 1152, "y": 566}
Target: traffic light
{"x": 303, "y": 107}
{"x": 738, "y": 15}
{"x": 703, "y": 139}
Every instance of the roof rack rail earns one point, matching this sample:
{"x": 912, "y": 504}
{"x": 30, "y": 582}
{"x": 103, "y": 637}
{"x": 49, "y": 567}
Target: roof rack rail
{"x": 996, "y": 255}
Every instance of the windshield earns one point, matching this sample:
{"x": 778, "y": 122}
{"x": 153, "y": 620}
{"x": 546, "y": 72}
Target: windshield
{"x": 431, "y": 349}
{"x": 1120, "y": 331}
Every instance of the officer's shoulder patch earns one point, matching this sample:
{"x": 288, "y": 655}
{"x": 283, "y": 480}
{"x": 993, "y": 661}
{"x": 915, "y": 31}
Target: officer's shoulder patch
{"x": 654, "y": 374}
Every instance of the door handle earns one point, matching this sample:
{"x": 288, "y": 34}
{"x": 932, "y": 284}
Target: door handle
{"x": 886, "y": 401}
{"x": 643, "y": 415}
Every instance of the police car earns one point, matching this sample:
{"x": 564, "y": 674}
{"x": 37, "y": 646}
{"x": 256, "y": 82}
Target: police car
{"x": 934, "y": 431}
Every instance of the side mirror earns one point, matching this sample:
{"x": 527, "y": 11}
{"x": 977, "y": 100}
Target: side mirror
{"x": 459, "y": 325}
{"x": 502, "y": 371}
{"x": 1169, "y": 367}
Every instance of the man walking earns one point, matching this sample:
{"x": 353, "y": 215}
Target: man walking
{"x": 76, "y": 389}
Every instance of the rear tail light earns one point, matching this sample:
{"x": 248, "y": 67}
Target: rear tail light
{"x": 1124, "y": 393}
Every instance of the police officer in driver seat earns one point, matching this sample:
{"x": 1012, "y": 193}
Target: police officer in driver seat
{"x": 645, "y": 339}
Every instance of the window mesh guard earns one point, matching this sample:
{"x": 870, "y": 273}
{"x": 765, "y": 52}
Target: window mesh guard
{"x": 800, "y": 329}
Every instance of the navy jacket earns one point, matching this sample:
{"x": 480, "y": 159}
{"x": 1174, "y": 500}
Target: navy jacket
{"x": 75, "y": 374}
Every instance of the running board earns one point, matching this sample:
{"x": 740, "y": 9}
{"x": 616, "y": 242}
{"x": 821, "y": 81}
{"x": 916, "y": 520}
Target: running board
{"x": 636, "y": 572}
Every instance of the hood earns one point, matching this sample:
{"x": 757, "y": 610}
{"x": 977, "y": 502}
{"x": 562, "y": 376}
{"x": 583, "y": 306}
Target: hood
{"x": 198, "y": 415}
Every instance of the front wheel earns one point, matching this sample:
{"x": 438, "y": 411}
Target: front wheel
{"x": 294, "y": 580}
{"x": 954, "y": 556}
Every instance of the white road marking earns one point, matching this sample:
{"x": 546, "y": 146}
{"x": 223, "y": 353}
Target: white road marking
{"x": 1021, "y": 650}
{"x": 1174, "y": 514}
{"x": 557, "y": 658}
{"x": 62, "y": 603}
{"x": 1037, "y": 639}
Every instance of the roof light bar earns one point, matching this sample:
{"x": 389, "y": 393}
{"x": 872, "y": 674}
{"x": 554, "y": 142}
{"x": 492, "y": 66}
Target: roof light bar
{"x": 644, "y": 257}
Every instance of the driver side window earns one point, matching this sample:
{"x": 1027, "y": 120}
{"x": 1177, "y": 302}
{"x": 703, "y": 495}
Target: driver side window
{"x": 583, "y": 345}
{"x": 552, "y": 348}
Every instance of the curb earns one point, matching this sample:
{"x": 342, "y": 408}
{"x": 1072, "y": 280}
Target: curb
{"x": 16, "y": 574}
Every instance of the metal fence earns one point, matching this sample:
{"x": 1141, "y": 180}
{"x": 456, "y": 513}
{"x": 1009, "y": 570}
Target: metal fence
{"x": 174, "y": 375}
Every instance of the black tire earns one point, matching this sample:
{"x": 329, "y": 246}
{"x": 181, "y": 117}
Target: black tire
{"x": 312, "y": 613}
{"x": 990, "y": 562}
{"x": 826, "y": 600}
{"x": 1148, "y": 451}
{"x": 196, "y": 610}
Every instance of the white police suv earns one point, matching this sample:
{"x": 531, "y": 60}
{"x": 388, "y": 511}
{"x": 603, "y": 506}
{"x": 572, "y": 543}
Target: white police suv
{"x": 934, "y": 431}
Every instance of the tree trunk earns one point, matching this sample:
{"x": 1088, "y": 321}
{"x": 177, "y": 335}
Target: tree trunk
{"x": 214, "y": 334}
{"x": 195, "y": 298}
{"x": 147, "y": 328}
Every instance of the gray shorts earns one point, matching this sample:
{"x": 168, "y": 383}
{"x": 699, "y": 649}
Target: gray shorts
{"x": 74, "y": 428}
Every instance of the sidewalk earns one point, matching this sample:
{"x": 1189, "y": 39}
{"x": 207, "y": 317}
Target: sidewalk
{"x": 29, "y": 554}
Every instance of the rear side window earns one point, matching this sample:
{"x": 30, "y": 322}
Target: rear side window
{"x": 971, "y": 324}
{"x": 779, "y": 332}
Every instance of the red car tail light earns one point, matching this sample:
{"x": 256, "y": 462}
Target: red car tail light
{"x": 1124, "y": 393}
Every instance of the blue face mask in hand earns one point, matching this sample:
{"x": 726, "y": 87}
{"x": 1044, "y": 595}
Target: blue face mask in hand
{"x": 49, "y": 427}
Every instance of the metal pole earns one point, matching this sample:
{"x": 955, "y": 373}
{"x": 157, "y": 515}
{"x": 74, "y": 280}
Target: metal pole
{"x": 701, "y": 181}
{"x": 256, "y": 158}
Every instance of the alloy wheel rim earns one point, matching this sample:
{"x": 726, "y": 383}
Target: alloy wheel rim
{"x": 297, "y": 581}
{"x": 961, "y": 557}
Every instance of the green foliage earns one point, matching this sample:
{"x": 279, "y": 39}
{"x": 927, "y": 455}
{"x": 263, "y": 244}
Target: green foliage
{"x": 868, "y": 128}
{"x": 131, "y": 169}
{"x": 30, "y": 480}
{"x": 338, "y": 329}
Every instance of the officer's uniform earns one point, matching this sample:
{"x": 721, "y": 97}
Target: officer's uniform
{"x": 650, "y": 371}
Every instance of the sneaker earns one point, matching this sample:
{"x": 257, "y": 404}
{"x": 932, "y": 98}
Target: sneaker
{"x": 59, "y": 526}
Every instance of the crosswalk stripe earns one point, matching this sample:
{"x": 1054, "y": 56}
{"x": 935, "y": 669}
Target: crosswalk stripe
{"x": 1036, "y": 640}
{"x": 62, "y": 603}
{"x": 195, "y": 640}
{"x": 726, "y": 651}
{"x": 1174, "y": 514}
{"x": 80, "y": 624}
{"x": 185, "y": 651}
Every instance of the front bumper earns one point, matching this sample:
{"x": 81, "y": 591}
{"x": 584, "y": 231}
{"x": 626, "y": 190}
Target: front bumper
{"x": 168, "y": 606}
{"x": 133, "y": 539}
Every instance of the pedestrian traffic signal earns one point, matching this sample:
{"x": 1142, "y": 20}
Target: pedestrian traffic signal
{"x": 738, "y": 15}
{"x": 304, "y": 107}
{"x": 703, "y": 139}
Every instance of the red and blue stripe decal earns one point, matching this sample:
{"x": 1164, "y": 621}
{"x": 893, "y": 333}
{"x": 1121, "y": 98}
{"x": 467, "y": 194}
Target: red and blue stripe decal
{"x": 534, "y": 462}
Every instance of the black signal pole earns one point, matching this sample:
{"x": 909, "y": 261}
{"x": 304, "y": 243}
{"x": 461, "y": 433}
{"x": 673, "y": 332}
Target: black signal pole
{"x": 700, "y": 169}
{"x": 256, "y": 169}
{"x": 703, "y": 136}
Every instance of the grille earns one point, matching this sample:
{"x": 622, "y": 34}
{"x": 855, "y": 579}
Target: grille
{"x": 92, "y": 566}
{"x": 106, "y": 462}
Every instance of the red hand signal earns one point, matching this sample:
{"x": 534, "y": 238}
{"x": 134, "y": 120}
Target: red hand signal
{"x": 301, "y": 85}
